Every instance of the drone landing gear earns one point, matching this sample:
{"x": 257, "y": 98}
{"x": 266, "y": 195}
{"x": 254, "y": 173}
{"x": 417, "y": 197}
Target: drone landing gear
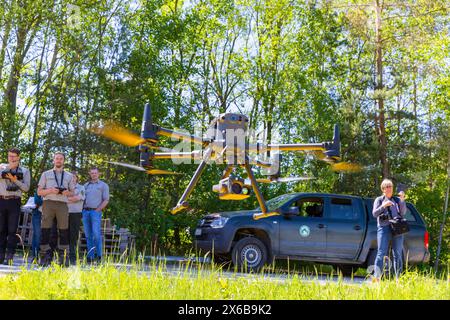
{"x": 180, "y": 207}
{"x": 182, "y": 203}
{"x": 259, "y": 196}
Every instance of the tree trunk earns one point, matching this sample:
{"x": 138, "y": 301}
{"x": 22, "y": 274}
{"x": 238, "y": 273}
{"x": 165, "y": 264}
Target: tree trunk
{"x": 441, "y": 231}
{"x": 5, "y": 39}
{"x": 379, "y": 87}
{"x": 416, "y": 121}
{"x": 33, "y": 146}
{"x": 10, "y": 93}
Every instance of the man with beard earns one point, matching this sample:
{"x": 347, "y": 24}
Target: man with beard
{"x": 55, "y": 186}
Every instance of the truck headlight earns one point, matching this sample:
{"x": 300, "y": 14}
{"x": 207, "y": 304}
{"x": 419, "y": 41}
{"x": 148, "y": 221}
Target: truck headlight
{"x": 219, "y": 222}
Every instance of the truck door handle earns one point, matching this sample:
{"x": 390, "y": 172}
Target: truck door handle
{"x": 357, "y": 227}
{"x": 321, "y": 226}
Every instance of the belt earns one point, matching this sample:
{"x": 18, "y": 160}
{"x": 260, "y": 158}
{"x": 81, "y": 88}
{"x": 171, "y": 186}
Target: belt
{"x": 9, "y": 197}
{"x": 89, "y": 209}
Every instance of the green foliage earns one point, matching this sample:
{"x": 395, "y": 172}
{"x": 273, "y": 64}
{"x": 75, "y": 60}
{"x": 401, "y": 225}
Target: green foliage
{"x": 107, "y": 282}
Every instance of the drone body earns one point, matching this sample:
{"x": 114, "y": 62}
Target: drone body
{"x": 226, "y": 141}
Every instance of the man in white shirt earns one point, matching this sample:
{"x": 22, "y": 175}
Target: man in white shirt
{"x": 14, "y": 180}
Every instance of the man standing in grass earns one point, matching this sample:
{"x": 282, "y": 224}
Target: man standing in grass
{"x": 14, "y": 180}
{"x": 55, "y": 186}
{"x": 97, "y": 198}
{"x": 75, "y": 209}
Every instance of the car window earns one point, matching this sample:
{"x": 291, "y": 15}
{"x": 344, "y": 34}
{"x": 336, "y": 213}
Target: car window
{"x": 369, "y": 206}
{"x": 279, "y": 201}
{"x": 310, "y": 207}
{"x": 341, "y": 208}
{"x": 409, "y": 215}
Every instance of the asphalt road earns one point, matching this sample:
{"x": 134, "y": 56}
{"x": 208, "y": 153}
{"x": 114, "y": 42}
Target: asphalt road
{"x": 175, "y": 265}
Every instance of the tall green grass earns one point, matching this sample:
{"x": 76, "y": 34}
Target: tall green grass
{"x": 158, "y": 281}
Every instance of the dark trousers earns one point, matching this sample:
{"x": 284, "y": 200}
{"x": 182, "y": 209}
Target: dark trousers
{"x": 74, "y": 231}
{"x": 9, "y": 221}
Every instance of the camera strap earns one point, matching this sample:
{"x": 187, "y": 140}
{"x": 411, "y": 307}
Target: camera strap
{"x": 62, "y": 179}
{"x": 396, "y": 201}
{"x": 9, "y": 183}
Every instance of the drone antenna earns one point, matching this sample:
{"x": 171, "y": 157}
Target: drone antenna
{"x": 149, "y": 134}
{"x": 333, "y": 149}
{"x": 148, "y": 131}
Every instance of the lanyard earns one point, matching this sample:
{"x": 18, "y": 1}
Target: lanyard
{"x": 56, "y": 178}
{"x": 396, "y": 206}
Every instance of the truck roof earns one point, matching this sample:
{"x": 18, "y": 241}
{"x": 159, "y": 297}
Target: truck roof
{"x": 320, "y": 194}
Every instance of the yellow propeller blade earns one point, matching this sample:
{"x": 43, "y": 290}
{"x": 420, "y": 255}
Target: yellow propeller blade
{"x": 346, "y": 167}
{"x": 158, "y": 171}
{"x": 119, "y": 134}
{"x": 262, "y": 180}
{"x": 139, "y": 168}
{"x": 318, "y": 154}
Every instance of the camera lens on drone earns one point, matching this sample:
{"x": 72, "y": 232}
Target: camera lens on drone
{"x": 236, "y": 188}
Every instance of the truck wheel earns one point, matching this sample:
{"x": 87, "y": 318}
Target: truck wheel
{"x": 347, "y": 270}
{"x": 371, "y": 257}
{"x": 249, "y": 254}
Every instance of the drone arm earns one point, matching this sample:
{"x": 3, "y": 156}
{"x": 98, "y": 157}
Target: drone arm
{"x": 177, "y": 155}
{"x": 179, "y": 135}
{"x": 331, "y": 149}
{"x": 260, "y": 148}
{"x": 296, "y": 147}
{"x": 261, "y": 164}
{"x": 227, "y": 171}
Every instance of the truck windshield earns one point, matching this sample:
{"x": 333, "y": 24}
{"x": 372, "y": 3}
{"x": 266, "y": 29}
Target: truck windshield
{"x": 278, "y": 202}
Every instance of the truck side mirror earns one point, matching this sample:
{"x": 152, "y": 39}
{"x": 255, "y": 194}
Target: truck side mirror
{"x": 292, "y": 211}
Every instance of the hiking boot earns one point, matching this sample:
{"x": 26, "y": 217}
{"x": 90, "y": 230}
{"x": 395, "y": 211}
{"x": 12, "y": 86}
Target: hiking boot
{"x": 9, "y": 259}
{"x": 45, "y": 259}
{"x": 73, "y": 261}
{"x": 63, "y": 258}
{"x": 90, "y": 260}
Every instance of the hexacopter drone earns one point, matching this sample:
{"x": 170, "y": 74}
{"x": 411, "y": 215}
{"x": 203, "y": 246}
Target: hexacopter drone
{"x": 225, "y": 141}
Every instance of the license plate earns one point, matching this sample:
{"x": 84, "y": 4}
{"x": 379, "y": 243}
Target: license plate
{"x": 198, "y": 232}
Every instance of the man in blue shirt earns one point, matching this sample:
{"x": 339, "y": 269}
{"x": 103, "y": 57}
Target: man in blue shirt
{"x": 97, "y": 198}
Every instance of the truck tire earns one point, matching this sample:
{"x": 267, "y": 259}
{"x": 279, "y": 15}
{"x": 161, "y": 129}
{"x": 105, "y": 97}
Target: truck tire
{"x": 249, "y": 254}
{"x": 346, "y": 270}
{"x": 371, "y": 258}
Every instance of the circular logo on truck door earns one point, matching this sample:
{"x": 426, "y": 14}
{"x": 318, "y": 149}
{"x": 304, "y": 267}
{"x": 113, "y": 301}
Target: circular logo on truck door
{"x": 304, "y": 231}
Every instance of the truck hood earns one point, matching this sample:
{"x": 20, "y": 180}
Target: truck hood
{"x": 240, "y": 213}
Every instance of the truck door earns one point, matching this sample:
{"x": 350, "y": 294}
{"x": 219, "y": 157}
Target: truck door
{"x": 345, "y": 219}
{"x": 304, "y": 234}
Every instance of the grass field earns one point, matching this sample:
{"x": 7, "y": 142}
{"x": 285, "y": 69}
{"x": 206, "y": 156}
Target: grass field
{"x": 109, "y": 282}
